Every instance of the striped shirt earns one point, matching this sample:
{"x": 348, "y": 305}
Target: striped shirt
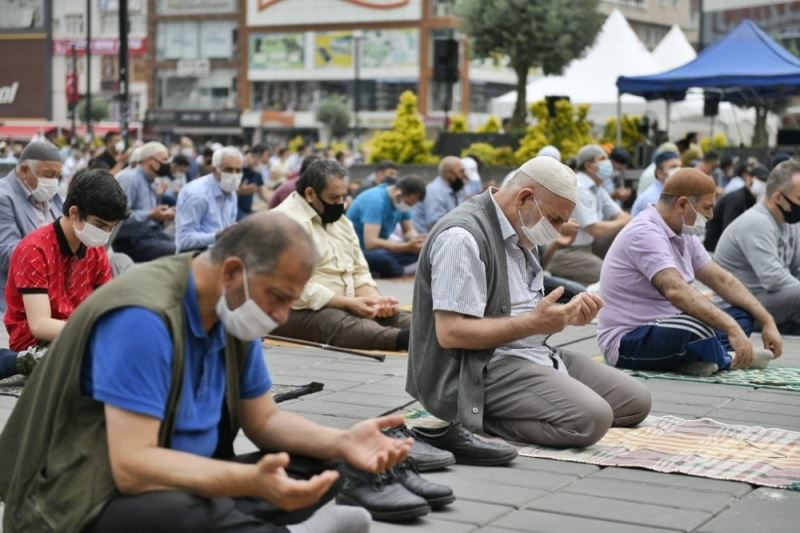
{"x": 458, "y": 284}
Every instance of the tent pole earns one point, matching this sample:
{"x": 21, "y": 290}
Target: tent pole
{"x": 669, "y": 106}
{"x": 619, "y": 119}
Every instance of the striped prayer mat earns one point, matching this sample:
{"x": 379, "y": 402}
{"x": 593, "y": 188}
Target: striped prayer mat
{"x": 704, "y": 448}
{"x": 779, "y": 378}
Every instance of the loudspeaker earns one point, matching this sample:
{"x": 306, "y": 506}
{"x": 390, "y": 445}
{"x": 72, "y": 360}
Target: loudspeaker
{"x": 710, "y": 104}
{"x": 445, "y": 60}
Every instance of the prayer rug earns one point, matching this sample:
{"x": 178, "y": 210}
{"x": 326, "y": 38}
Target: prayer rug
{"x": 779, "y": 378}
{"x": 274, "y": 343}
{"x": 766, "y": 457}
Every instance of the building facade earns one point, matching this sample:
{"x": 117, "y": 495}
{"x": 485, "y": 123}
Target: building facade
{"x": 779, "y": 19}
{"x": 652, "y": 19}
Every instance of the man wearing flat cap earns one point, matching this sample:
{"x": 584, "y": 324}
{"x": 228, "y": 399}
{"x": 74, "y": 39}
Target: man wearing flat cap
{"x": 654, "y": 319}
{"x": 599, "y": 217}
{"x": 478, "y": 358}
{"x": 28, "y": 200}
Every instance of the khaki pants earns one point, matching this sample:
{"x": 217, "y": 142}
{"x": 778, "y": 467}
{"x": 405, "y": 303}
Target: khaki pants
{"x": 576, "y": 263}
{"x": 340, "y": 328}
{"x": 532, "y": 403}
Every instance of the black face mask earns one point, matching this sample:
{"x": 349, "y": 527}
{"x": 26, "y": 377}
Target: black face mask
{"x": 331, "y": 212}
{"x": 163, "y": 171}
{"x": 457, "y": 185}
{"x": 793, "y": 215}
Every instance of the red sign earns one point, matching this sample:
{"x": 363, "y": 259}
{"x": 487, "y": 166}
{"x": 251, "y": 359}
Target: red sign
{"x": 137, "y": 46}
{"x": 73, "y": 96}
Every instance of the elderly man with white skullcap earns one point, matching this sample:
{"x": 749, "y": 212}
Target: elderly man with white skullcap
{"x": 478, "y": 358}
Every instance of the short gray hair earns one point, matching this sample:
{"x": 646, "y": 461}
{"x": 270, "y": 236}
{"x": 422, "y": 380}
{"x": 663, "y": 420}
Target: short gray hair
{"x": 219, "y": 155}
{"x": 150, "y": 149}
{"x": 260, "y": 239}
{"x": 780, "y": 179}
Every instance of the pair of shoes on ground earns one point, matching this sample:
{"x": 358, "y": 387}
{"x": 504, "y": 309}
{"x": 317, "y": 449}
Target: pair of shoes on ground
{"x": 402, "y": 494}
{"x": 28, "y": 359}
{"x": 761, "y": 359}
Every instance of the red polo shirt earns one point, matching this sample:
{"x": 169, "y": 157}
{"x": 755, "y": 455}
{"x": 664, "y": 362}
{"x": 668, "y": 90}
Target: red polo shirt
{"x": 44, "y": 263}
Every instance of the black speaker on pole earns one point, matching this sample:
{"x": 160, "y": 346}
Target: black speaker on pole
{"x": 445, "y": 60}
{"x": 710, "y": 104}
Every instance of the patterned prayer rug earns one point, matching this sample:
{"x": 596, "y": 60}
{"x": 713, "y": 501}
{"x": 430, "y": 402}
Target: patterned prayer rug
{"x": 779, "y": 378}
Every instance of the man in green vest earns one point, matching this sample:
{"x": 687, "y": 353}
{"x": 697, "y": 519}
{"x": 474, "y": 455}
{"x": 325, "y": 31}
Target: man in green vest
{"x": 128, "y": 425}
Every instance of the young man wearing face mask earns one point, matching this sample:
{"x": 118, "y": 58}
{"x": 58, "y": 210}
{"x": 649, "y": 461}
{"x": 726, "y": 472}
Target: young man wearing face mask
{"x": 599, "y": 216}
{"x": 340, "y": 305}
{"x": 478, "y": 357}
{"x": 208, "y": 205}
{"x": 59, "y": 265}
{"x": 733, "y": 204}
{"x": 253, "y": 180}
{"x": 114, "y": 155}
{"x": 654, "y": 319}
{"x": 375, "y": 215}
{"x": 160, "y": 369}
{"x": 761, "y": 248}
{"x": 442, "y": 195}
{"x": 29, "y": 199}
{"x": 667, "y": 163}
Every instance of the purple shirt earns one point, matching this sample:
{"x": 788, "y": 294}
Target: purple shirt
{"x": 643, "y": 249}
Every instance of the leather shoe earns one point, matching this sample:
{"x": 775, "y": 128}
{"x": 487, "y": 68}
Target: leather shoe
{"x": 425, "y": 456}
{"x": 435, "y": 494}
{"x": 382, "y": 495}
{"x": 467, "y": 448}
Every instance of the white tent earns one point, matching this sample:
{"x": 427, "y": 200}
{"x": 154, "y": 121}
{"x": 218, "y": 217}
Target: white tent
{"x": 674, "y": 50}
{"x": 617, "y": 51}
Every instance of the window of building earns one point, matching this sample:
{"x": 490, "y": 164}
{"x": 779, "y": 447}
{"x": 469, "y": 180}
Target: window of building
{"x": 217, "y": 91}
{"x": 216, "y": 39}
{"x": 374, "y": 95}
{"x": 109, "y": 24}
{"x": 73, "y": 25}
{"x": 191, "y": 39}
{"x": 443, "y": 8}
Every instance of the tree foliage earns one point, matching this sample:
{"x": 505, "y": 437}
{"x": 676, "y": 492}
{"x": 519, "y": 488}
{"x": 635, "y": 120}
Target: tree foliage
{"x": 631, "y": 136}
{"x": 568, "y": 130}
{"x": 493, "y": 124}
{"x": 458, "y": 124}
{"x": 335, "y": 115}
{"x": 406, "y": 141}
{"x": 531, "y": 33}
{"x": 99, "y": 109}
{"x": 501, "y": 156}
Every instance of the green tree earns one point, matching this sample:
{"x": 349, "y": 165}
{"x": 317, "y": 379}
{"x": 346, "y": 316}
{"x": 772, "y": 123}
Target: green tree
{"x": 458, "y": 124}
{"x": 631, "y": 136}
{"x": 493, "y": 124}
{"x": 531, "y": 33}
{"x": 334, "y": 115}
{"x": 99, "y": 109}
{"x": 406, "y": 141}
{"x": 568, "y": 130}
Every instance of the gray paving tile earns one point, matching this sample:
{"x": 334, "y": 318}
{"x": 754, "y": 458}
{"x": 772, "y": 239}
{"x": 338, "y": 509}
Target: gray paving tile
{"x": 516, "y": 477}
{"x": 338, "y": 422}
{"x": 539, "y": 521}
{"x": 679, "y": 497}
{"x": 696, "y": 398}
{"x": 763, "y": 510}
{"x": 695, "y": 387}
{"x": 423, "y": 525}
{"x": 360, "y": 398}
{"x": 8, "y": 402}
{"x": 321, "y": 374}
{"x": 730, "y": 416}
{"x": 620, "y": 511}
{"x": 471, "y": 512}
{"x": 674, "y": 480}
{"x": 558, "y": 467}
{"x": 483, "y": 490}
{"x": 325, "y": 407}
{"x": 383, "y": 390}
{"x": 683, "y": 411}
{"x": 744, "y": 404}
{"x": 331, "y": 384}
{"x": 364, "y": 367}
{"x": 773, "y": 396}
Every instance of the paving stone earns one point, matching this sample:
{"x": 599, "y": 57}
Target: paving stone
{"x": 674, "y": 480}
{"x": 773, "y": 396}
{"x": 744, "y": 404}
{"x": 383, "y": 390}
{"x": 364, "y": 367}
{"x": 730, "y": 416}
{"x": 482, "y": 490}
{"x": 695, "y": 387}
{"x": 321, "y": 374}
{"x": 679, "y": 497}
{"x": 8, "y": 402}
{"x": 539, "y": 521}
{"x": 338, "y": 422}
{"x": 517, "y": 477}
{"x": 331, "y": 384}
{"x": 360, "y": 398}
{"x": 325, "y": 407}
{"x": 683, "y": 411}
{"x": 423, "y": 525}
{"x": 697, "y": 398}
{"x": 551, "y": 465}
{"x": 763, "y": 510}
{"x": 471, "y": 512}
{"x": 620, "y": 511}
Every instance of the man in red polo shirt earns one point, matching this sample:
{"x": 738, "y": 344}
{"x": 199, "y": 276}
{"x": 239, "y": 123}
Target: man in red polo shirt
{"x": 56, "y": 267}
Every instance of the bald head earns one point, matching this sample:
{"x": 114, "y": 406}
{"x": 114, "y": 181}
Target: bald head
{"x": 688, "y": 195}
{"x": 689, "y": 182}
{"x": 451, "y": 169}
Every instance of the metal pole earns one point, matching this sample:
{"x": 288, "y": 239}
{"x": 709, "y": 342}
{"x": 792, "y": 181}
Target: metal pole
{"x": 89, "y": 70}
{"x": 357, "y": 87}
{"x": 619, "y": 119}
{"x": 123, "y": 71}
{"x": 74, "y": 89}
{"x": 448, "y": 102}
{"x": 669, "y": 110}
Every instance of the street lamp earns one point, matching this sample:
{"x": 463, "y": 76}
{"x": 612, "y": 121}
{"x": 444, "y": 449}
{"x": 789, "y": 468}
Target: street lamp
{"x": 358, "y": 36}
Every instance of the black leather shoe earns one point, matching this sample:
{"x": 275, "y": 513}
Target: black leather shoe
{"x": 382, "y": 495}
{"x": 426, "y": 457}
{"x": 436, "y": 495}
{"x": 466, "y": 447}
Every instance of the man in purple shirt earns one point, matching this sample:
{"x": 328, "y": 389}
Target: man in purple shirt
{"x": 653, "y": 318}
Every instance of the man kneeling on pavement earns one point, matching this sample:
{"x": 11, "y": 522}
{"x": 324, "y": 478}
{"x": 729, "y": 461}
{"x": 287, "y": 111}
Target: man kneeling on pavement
{"x": 478, "y": 358}
{"x": 134, "y": 432}
{"x": 340, "y": 304}
{"x": 654, "y": 319}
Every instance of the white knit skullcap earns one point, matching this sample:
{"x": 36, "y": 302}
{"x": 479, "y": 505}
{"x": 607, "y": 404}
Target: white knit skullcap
{"x": 550, "y": 151}
{"x": 556, "y": 177}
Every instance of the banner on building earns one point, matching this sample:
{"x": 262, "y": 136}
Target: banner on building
{"x": 277, "y": 51}
{"x": 137, "y": 46}
{"x": 263, "y": 13}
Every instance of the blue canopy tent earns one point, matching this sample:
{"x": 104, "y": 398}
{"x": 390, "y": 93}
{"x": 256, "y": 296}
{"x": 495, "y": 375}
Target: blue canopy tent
{"x": 744, "y": 67}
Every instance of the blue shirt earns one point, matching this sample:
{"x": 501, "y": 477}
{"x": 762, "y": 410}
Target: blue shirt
{"x": 246, "y": 200}
{"x": 440, "y": 199}
{"x": 649, "y": 196}
{"x": 374, "y": 206}
{"x": 141, "y": 193}
{"x": 203, "y": 210}
{"x": 134, "y": 372}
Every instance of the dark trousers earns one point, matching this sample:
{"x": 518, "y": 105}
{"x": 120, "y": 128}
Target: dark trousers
{"x": 143, "y": 241}
{"x": 386, "y": 264}
{"x": 184, "y": 512}
{"x": 673, "y": 341}
{"x": 8, "y": 363}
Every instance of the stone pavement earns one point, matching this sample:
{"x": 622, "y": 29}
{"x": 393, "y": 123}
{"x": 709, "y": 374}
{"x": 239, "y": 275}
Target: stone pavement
{"x": 545, "y": 495}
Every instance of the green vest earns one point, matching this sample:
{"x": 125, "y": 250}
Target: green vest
{"x": 55, "y": 473}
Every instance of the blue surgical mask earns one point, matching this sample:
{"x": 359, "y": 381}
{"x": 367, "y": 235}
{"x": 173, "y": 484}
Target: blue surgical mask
{"x": 605, "y": 169}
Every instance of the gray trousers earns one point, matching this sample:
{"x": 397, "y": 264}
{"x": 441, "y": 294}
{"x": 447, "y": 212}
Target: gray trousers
{"x": 340, "y": 328}
{"x": 576, "y": 263}
{"x": 527, "y": 402}
{"x": 784, "y": 306}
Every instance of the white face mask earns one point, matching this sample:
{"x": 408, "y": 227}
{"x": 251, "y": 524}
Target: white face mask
{"x": 230, "y": 181}
{"x": 91, "y": 236}
{"x": 247, "y": 322}
{"x": 542, "y": 233}
{"x": 402, "y": 206}
{"x": 120, "y": 146}
{"x": 698, "y": 229}
{"x": 605, "y": 169}
{"x": 45, "y": 189}
{"x": 759, "y": 189}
